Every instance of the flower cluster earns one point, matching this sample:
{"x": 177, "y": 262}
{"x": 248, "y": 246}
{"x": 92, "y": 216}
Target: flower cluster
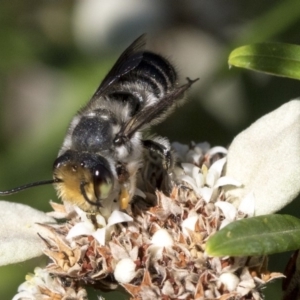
{"x": 158, "y": 253}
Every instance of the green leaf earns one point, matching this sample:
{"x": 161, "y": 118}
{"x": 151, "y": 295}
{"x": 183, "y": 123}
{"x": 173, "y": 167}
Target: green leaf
{"x": 256, "y": 236}
{"x": 272, "y": 58}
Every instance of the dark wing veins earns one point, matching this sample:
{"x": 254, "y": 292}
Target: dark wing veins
{"x": 128, "y": 61}
{"x": 148, "y": 114}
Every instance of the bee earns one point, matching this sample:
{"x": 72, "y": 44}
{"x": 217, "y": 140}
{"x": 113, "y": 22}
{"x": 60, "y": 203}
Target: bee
{"x": 104, "y": 149}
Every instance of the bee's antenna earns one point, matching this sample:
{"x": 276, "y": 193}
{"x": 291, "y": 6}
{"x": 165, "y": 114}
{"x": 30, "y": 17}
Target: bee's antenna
{"x": 28, "y": 186}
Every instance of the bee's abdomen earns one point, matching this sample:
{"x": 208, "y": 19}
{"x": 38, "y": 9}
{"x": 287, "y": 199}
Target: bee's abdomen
{"x": 147, "y": 83}
{"x": 156, "y": 71}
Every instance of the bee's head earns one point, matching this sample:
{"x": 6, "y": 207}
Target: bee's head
{"x": 83, "y": 179}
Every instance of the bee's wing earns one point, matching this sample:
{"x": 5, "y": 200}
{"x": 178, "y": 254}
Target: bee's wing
{"x": 152, "y": 114}
{"x": 128, "y": 61}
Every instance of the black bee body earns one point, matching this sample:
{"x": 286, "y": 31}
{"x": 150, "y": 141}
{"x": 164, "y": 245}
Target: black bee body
{"x": 97, "y": 165}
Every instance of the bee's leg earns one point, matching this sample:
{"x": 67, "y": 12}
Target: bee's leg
{"x": 154, "y": 175}
{"x": 93, "y": 218}
{"x": 160, "y": 150}
{"x": 158, "y": 163}
{"x": 123, "y": 177}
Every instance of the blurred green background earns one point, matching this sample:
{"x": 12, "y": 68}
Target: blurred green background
{"x": 54, "y": 54}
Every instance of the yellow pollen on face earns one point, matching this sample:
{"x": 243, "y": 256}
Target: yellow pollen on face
{"x": 69, "y": 189}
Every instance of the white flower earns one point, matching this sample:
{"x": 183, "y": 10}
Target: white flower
{"x": 195, "y": 153}
{"x": 180, "y": 150}
{"x": 125, "y": 270}
{"x": 205, "y": 182}
{"x": 42, "y": 285}
{"x": 231, "y": 213}
{"x": 230, "y": 281}
{"x": 152, "y": 254}
{"x": 161, "y": 240}
{"x": 193, "y": 176}
{"x": 86, "y": 227}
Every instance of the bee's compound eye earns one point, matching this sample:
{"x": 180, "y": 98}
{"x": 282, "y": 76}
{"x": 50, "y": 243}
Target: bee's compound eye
{"x": 103, "y": 181}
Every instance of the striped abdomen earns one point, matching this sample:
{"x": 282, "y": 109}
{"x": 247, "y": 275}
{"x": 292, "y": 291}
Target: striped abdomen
{"x": 146, "y": 84}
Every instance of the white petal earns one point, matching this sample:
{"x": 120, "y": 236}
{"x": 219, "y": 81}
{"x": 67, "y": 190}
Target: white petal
{"x": 189, "y": 169}
{"x": 192, "y": 213}
{"x": 82, "y": 228}
{"x": 215, "y": 171}
{"x": 206, "y": 193}
{"x": 193, "y": 176}
{"x": 225, "y": 180}
{"x": 190, "y": 181}
{"x": 118, "y": 217}
{"x": 192, "y": 156}
{"x": 218, "y": 166}
{"x": 18, "y": 232}
{"x": 155, "y": 252}
{"x": 81, "y": 213}
{"x": 217, "y": 149}
{"x": 198, "y": 177}
{"x": 125, "y": 270}
{"x": 247, "y": 282}
{"x": 265, "y": 158}
{"x": 24, "y": 295}
{"x": 134, "y": 252}
{"x": 224, "y": 223}
{"x": 228, "y": 209}
{"x": 211, "y": 177}
{"x": 56, "y": 215}
{"x": 189, "y": 223}
{"x": 230, "y": 281}
{"x": 100, "y": 235}
{"x": 162, "y": 238}
{"x": 168, "y": 290}
{"x": 100, "y": 220}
